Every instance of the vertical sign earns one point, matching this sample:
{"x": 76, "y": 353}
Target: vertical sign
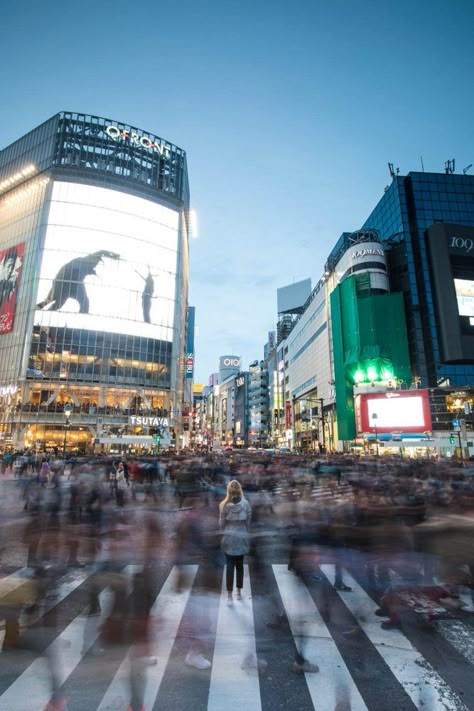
{"x": 287, "y": 414}
{"x": 11, "y": 261}
{"x": 190, "y": 341}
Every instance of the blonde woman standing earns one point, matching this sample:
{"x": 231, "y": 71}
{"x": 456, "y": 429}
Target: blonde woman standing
{"x": 234, "y": 519}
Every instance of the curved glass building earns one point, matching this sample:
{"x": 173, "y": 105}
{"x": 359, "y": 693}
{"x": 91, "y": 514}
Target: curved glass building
{"x": 93, "y": 285}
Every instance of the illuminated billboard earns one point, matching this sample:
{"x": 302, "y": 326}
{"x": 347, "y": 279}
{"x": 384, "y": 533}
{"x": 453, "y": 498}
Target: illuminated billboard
{"x": 109, "y": 263}
{"x": 393, "y": 411}
{"x": 11, "y": 262}
{"x": 465, "y": 296}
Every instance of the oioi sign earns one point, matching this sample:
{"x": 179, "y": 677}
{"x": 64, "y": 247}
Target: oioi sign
{"x": 116, "y": 134}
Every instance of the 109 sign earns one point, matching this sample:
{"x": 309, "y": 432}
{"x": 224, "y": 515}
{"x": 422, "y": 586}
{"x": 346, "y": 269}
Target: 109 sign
{"x": 464, "y": 243}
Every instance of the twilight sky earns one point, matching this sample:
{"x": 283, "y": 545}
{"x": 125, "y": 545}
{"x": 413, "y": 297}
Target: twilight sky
{"x": 288, "y": 112}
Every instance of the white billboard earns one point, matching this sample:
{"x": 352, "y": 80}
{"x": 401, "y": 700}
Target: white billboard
{"x": 109, "y": 263}
{"x": 465, "y": 296}
{"x": 396, "y": 413}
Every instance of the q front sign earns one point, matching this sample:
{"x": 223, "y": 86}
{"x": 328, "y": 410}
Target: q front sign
{"x": 135, "y": 139}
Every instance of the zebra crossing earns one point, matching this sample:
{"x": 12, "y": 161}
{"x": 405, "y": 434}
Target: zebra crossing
{"x": 232, "y": 643}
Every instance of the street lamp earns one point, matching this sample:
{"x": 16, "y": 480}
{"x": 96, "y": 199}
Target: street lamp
{"x": 374, "y": 419}
{"x": 67, "y": 415}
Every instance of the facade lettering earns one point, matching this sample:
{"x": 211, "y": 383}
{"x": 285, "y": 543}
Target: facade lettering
{"x": 231, "y": 362}
{"x": 368, "y": 252}
{"x": 116, "y": 134}
{"x": 148, "y": 421}
{"x": 462, "y": 243}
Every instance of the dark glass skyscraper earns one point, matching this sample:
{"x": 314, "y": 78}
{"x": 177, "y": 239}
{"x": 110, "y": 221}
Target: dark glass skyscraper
{"x": 435, "y": 297}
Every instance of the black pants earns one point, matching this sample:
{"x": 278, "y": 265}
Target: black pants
{"x": 237, "y": 562}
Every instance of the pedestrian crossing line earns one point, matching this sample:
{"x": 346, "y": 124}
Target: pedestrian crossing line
{"x": 467, "y": 598}
{"x": 32, "y": 689}
{"x": 421, "y": 682}
{"x": 334, "y": 680}
{"x": 458, "y": 635}
{"x": 11, "y": 582}
{"x": 168, "y": 610}
{"x": 235, "y": 642}
{"x": 63, "y": 588}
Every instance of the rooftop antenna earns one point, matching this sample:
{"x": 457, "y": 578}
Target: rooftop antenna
{"x": 464, "y": 170}
{"x": 449, "y": 166}
{"x": 393, "y": 172}
{"x": 422, "y": 166}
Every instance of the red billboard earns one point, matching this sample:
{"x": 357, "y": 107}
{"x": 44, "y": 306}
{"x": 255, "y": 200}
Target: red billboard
{"x": 11, "y": 261}
{"x": 393, "y": 411}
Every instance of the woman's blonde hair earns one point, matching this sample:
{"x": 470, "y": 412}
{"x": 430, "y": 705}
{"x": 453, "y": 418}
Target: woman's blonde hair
{"x": 233, "y": 489}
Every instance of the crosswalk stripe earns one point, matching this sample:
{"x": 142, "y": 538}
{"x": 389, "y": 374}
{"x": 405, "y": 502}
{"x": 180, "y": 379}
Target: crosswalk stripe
{"x": 32, "y": 689}
{"x": 421, "y": 682}
{"x": 307, "y": 624}
{"x": 11, "y": 582}
{"x": 168, "y": 610}
{"x": 63, "y": 588}
{"x": 235, "y": 642}
{"x": 458, "y": 635}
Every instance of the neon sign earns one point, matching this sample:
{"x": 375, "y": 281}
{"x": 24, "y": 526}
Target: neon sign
{"x": 136, "y": 140}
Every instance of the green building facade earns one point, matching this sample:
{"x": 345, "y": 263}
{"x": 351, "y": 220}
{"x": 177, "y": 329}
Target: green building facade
{"x": 369, "y": 343}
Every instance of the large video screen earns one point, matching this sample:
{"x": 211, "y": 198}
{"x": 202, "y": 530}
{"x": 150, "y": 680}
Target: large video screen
{"x": 465, "y": 296}
{"x": 396, "y": 413}
{"x": 109, "y": 263}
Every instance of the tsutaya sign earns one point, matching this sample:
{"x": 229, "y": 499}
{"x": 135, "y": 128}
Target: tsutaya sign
{"x": 136, "y": 139}
{"x": 148, "y": 421}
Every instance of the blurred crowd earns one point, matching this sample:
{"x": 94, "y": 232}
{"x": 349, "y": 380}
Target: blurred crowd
{"x": 400, "y": 528}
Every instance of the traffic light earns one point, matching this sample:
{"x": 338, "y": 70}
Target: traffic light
{"x": 452, "y": 439}
{"x": 157, "y": 436}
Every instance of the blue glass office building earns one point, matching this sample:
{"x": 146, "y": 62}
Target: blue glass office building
{"x": 426, "y": 222}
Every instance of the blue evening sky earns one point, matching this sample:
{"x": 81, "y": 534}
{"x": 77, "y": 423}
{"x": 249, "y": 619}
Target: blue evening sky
{"x": 288, "y": 111}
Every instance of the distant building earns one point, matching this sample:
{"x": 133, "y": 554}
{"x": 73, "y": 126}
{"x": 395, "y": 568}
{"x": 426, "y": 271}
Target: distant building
{"x": 258, "y": 404}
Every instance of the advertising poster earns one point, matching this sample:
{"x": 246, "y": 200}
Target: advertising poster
{"x": 109, "y": 263}
{"x": 465, "y": 296}
{"x": 11, "y": 262}
{"x": 394, "y": 411}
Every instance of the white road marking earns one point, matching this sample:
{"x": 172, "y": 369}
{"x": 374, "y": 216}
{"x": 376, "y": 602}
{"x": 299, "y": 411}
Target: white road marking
{"x": 459, "y": 635}
{"x": 235, "y": 641}
{"x": 168, "y": 610}
{"x": 333, "y": 681}
{"x": 11, "y": 582}
{"x": 421, "y": 682}
{"x": 32, "y": 689}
